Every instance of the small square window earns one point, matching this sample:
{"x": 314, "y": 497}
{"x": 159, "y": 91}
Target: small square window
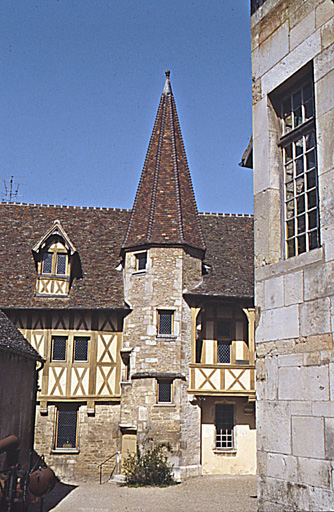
{"x": 165, "y": 391}
{"x": 81, "y": 349}
{"x": 141, "y": 261}
{"x": 166, "y": 322}
{"x": 224, "y": 352}
{"x": 66, "y": 432}
{"x": 59, "y": 348}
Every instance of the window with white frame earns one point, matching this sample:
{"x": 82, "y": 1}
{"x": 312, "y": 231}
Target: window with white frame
{"x": 298, "y": 143}
{"x": 141, "y": 261}
{"x": 224, "y": 422}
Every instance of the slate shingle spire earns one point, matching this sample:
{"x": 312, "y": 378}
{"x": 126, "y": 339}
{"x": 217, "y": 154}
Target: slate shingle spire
{"x": 164, "y": 210}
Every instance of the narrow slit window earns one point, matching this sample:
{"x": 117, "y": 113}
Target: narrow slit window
{"x": 47, "y": 263}
{"x": 61, "y": 264}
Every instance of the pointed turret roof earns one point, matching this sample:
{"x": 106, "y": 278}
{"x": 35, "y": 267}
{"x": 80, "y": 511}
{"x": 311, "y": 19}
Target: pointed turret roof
{"x": 164, "y": 210}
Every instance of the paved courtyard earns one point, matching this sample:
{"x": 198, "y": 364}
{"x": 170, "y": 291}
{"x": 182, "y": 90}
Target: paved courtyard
{"x": 214, "y": 493}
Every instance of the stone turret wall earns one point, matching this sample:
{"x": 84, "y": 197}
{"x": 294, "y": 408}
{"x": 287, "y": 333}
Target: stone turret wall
{"x": 160, "y": 288}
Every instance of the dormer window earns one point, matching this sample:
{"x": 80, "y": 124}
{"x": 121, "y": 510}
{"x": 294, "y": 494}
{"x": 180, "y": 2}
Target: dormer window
{"x": 54, "y": 255}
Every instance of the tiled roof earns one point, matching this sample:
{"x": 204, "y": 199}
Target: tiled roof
{"x": 164, "y": 210}
{"x": 229, "y": 256}
{"x": 97, "y": 234}
{"x": 11, "y": 339}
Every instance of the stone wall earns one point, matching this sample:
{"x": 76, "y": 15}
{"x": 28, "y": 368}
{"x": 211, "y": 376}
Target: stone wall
{"x": 98, "y": 438}
{"x": 294, "y": 297}
{"x": 160, "y": 287}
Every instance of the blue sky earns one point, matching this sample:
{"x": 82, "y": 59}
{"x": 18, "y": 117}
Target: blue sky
{"x": 80, "y": 86}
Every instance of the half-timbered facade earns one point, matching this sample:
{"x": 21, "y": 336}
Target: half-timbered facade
{"x": 144, "y": 318}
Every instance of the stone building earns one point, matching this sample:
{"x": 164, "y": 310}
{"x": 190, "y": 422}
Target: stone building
{"x": 293, "y": 155}
{"x": 145, "y": 319}
{"x": 19, "y": 363}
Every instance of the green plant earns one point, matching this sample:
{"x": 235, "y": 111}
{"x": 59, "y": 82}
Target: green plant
{"x": 149, "y": 468}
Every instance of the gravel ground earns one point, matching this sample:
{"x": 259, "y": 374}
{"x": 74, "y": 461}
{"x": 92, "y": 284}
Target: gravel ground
{"x": 214, "y": 493}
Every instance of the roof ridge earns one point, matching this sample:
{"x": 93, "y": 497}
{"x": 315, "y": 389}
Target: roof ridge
{"x": 213, "y": 214}
{"x": 65, "y": 206}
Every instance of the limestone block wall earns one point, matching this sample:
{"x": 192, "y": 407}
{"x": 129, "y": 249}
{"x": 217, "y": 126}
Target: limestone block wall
{"x": 98, "y": 438}
{"x": 294, "y": 297}
{"x": 160, "y": 287}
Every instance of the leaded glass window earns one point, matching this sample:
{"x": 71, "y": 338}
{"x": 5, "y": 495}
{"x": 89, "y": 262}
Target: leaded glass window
{"x": 61, "y": 264}
{"x": 224, "y": 421}
{"x": 59, "y": 348}
{"x": 47, "y": 263}
{"x": 224, "y": 352}
{"x": 166, "y": 322}
{"x": 81, "y": 349}
{"x": 67, "y": 428}
{"x": 301, "y": 197}
{"x": 164, "y": 390}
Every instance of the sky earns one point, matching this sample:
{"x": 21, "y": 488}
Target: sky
{"x": 79, "y": 90}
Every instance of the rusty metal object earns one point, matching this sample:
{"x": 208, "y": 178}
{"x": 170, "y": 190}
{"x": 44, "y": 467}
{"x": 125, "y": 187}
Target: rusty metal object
{"x": 9, "y": 443}
{"x": 42, "y": 481}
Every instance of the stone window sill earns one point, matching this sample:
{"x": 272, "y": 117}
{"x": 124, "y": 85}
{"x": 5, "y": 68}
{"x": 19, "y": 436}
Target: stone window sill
{"x": 164, "y": 404}
{"x": 167, "y": 337}
{"x": 62, "y": 451}
{"x": 222, "y": 451}
{"x": 139, "y": 272}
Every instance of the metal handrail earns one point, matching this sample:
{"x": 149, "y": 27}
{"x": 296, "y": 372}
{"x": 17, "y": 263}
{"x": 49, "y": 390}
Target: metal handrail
{"x": 100, "y": 466}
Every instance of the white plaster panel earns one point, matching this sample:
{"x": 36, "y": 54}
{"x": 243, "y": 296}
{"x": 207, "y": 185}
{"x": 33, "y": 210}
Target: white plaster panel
{"x": 302, "y": 30}
{"x": 274, "y": 292}
{"x": 308, "y": 437}
{"x": 282, "y": 466}
{"x": 314, "y": 472}
{"x": 291, "y": 63}
{"x": 271, "y": 51}
{"x": 293, "y": 288}
{"x": 324, "y": 93}
{"x": 280, "y": 323}
{"x": 319, "y": 281}
{"x": 315, "y": 317}
{"x": 303, "y": 383}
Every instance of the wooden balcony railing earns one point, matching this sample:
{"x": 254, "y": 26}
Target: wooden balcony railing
{"x": 222, "y": 379}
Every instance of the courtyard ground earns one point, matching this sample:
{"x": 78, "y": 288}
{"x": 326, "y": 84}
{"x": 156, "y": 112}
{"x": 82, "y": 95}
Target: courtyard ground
{"x": 214, "y": 493}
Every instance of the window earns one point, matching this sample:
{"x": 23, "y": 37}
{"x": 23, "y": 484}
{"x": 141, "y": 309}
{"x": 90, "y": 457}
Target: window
{"x": 141, "y": 261}
{"x": 224, "y": 421}
{"x": 59, "y": 348}
{"x": 66, "y": 431}
{"x": 224, "y": 340}
{"x": 166, "y": 322}
{"x": 54, "y": 262}
{"x": 81, "y": 349}
{"x": 298, "y": 143}
{"x": 165, "y": 388}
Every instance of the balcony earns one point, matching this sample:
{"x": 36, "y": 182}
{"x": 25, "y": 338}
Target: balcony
{"x": 222, "y": 379}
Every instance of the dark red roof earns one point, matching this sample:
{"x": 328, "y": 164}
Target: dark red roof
{"x": 97, "y": 235}
{"x": 164, "y": 210}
